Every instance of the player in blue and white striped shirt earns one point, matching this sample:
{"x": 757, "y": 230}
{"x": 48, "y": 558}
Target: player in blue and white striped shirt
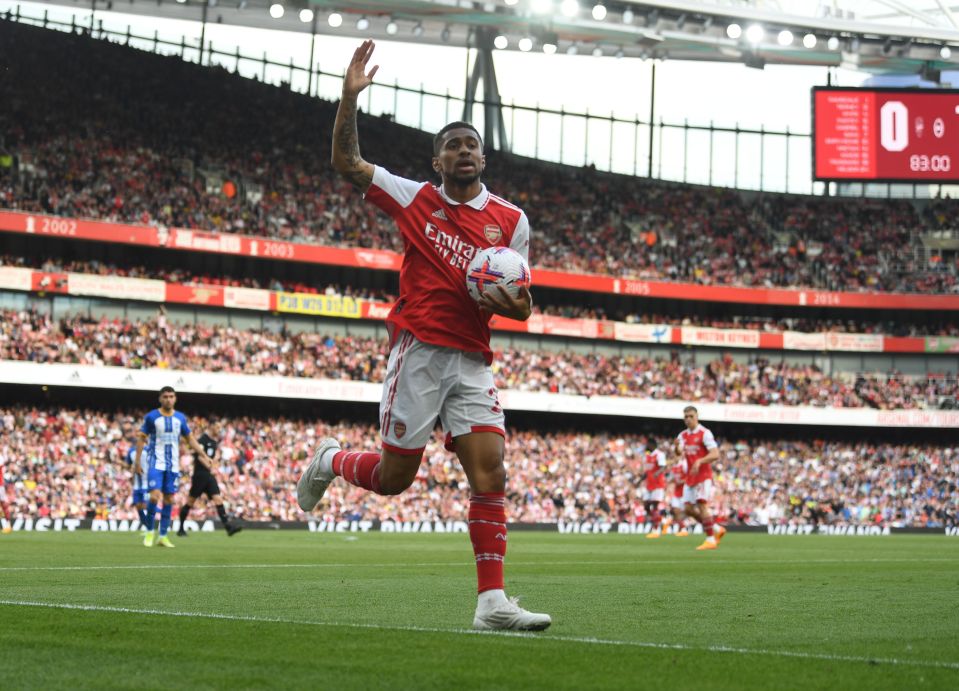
{"x": 161, "y": 433}
{"x": 138, "y": 464}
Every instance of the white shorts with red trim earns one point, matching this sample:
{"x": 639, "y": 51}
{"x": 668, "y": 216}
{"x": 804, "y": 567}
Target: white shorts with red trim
{"x": 703, "y": 492}
{"x": 654, "y": 494}
{"x": 424, "y": 382}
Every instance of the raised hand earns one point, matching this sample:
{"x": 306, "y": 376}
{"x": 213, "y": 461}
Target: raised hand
{"x": 356, "y": 78}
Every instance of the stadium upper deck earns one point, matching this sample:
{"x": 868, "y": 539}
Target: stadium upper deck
{"x": 153, "y": 140}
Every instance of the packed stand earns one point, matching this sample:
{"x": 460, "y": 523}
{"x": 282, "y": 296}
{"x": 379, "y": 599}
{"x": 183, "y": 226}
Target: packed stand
{"x": 67, "y": 463}
{"x": 177, "y": 131}
{"x": 35, "y": 337}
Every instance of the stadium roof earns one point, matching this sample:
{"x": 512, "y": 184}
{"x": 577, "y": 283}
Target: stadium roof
{"x": 876, "y": 35}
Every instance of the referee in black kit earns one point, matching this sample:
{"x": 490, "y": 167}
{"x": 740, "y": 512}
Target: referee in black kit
{"x": 203, "y": 482}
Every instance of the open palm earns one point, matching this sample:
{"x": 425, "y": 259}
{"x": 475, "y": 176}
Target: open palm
{"x": 356, "y": 78}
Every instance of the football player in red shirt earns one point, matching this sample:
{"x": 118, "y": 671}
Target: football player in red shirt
{"x": 440, "y": 355}
{"x": 676, "y": 506}
{"x": 5, "y": 506}
{"x": 655, "y": 491}
{"x": 698, "y": 446}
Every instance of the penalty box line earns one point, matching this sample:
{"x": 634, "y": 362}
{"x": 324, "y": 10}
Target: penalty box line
{"x": 587, "y": 640}
{"x": 352, "y": 565}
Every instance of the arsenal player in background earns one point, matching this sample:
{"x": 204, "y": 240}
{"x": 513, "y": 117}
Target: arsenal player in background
{"x": 655, "y": 491}
{"x": 698, "y": 446}
{"x": 5, "y": 505}
{"x": 440, "y": 355}
{"x": 677, "y": 509}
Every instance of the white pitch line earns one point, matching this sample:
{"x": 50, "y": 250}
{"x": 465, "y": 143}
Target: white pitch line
{"x": 510, "y": 634}
{"x": 392, "y": 564}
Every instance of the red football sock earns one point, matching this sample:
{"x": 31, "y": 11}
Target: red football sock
{"x": 487, "y": 521}
{"x": 656, "y": 517}
{"x": 708, "y": 526}
{"x": 358, "y": 468}
{"x": 6, "y": 512}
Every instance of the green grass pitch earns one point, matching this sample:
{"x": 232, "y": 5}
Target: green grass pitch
{"x": 338, "y": 611}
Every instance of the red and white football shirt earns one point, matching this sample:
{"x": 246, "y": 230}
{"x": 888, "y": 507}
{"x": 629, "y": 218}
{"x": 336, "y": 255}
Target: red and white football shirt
{"x": 678, "y": 475}
{"x": 695, "y": 444}
{"x": 655, "y": 462}
{"x": 441, "y": 237}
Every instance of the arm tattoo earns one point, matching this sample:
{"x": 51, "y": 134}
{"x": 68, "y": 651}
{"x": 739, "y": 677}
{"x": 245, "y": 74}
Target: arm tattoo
{"x": 346, "y": 141}
{"x": 359, "y": 179}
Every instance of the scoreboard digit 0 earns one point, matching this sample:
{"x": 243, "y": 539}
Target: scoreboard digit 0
{"x": 885, "y": 135}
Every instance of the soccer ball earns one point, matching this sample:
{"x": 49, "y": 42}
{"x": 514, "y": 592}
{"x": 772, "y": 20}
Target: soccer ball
{"x": 497, "y": 266}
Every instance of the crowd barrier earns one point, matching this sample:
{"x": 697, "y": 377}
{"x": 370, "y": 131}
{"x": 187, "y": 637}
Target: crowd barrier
{"x": 224, "y": 384}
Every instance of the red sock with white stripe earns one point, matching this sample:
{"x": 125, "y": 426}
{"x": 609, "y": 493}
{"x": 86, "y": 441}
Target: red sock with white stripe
{"x": 657, "y": 518}
{"x": 708, "y": 526}
{"x": 358, "y": 468}
{"x": 487, "y": 524}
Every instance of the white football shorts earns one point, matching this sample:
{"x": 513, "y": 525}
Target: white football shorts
{"x": 425, "y": 381}
{"x": 654, "y": 494}
{"x": 701, "y": 492}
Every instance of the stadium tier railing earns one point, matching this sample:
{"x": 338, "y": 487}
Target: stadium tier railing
{"x": 345, "y": 307}
{"x": 386, "y": 260}
{"x": 279, "y": 387}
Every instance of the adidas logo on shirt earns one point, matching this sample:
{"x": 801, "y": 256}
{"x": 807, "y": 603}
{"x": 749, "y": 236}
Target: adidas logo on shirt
{"x": 440, "y": 214}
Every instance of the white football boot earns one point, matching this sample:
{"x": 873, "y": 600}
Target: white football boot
{"x": 318, "y": 475}
{"x": 509, "y": 616}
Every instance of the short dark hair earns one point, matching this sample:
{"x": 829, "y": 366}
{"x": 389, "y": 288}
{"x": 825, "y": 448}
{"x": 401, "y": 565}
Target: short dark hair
{"x": 690, "y": 408}
{"x": 459, "y": 124}
{"x": 167, "y": 389}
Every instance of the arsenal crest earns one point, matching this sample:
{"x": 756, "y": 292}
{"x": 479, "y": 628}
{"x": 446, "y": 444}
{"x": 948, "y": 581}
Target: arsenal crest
{"x": 493, "y": 233}
{"x": 399, "y": 429}
{"x": 202, "y": 295}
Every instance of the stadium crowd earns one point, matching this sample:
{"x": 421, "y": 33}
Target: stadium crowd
{"x": 61, "y": 462}
{"x": 182, "y": 276}
{"x": 178, "y": 133}
{"x": 190, "y": 278}
{"x": 35, "y": 337}
{"x": 859, "y": 325}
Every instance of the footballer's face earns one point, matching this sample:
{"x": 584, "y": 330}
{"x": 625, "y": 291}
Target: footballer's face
{"x": 460, "y": 159}
{"x": 167, "y": 400}
{"x": 215, "y": 430}
{"x": 691, "y": 418}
